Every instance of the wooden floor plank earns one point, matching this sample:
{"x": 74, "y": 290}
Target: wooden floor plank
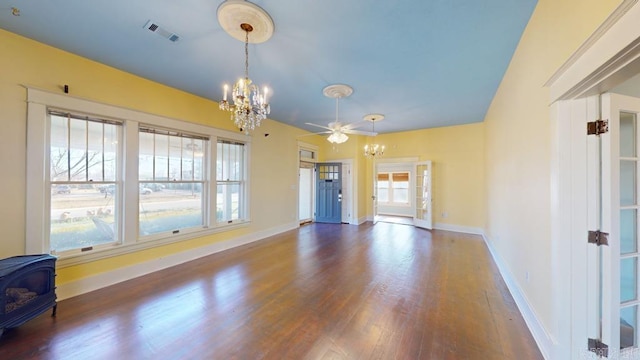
{"x": 324, "y": 291}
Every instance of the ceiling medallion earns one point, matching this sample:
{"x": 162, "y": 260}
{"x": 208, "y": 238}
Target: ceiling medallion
{"x": 240, "y": 19}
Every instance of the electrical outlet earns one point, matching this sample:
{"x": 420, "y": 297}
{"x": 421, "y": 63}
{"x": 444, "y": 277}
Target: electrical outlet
{"x": 527, "y": 276}
{"x": 445, "y": 214}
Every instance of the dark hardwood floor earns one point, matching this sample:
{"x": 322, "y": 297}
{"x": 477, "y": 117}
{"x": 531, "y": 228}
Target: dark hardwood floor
{"x": 383, "y": 291}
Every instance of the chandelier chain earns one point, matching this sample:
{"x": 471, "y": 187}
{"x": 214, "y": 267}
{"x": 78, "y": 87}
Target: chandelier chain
{"x": 246, "y": 54}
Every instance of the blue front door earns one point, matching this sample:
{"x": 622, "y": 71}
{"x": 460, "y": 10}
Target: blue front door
{"x": 329, "y": 192}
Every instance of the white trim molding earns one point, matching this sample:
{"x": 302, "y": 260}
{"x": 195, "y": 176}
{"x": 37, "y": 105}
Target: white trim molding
{"x": 609, "y": 50}
{"x": 459, "y": 228}
{"x": 541, "y": 336}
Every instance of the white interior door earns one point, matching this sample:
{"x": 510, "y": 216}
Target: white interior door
{"x": 306, "y": 192}
{"x": 620, "y": 205}
{"x": 422, "y": 216}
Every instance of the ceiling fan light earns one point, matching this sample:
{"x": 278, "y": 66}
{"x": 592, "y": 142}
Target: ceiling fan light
{"x": 337, "y": 137}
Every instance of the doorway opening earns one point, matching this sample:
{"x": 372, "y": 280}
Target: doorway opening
{"x": 402, "y": 192}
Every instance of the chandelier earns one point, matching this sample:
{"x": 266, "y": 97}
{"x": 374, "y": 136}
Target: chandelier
{"x": 250, "y": 105}
{"x": 373, "y": 150}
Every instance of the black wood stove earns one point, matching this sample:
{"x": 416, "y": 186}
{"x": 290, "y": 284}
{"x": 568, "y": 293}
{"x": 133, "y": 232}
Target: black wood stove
{"x": 27, "y": 289}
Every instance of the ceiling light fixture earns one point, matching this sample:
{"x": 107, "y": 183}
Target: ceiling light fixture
{"x": 337, "y": 137}
{"x": 250, "y": 106}
{"x": 373, "y": 150}
{"x": 337, "y": 92}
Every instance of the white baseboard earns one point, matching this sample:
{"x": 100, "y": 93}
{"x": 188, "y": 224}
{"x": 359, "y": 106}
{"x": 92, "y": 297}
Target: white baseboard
{"x": 540, "y": 334}
{"x": 459, "y": 228}
{"x": 95, "y": 282}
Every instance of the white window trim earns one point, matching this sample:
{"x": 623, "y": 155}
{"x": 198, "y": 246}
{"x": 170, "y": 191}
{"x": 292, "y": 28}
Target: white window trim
{"x": 37, "y": 197}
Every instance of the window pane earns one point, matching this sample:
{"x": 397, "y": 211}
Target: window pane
{"x": 628, "y": 271}
{"x": 628, "y": 321}
{"x": 161, "y": 158}
{"x": 383, "y": 195}
{"x": 627, "y": 183}
{"x": 628, "y": 231}
{"x": 192, "y": 159}
{"x": 228, "y": 202}
{"x": 145, "y": 157}
{"x": 401, "y": 196}
{"x": 81, "y": 216}
{"x": 400, "y": 188}
{"x": 58, "y": 161}
{"x": 79, "y": 156}
{"x": 627, "y": 134}
{"x": 169, "y": 208}
{"x": 175, "y": 158}
{"x": 111, "y": 141}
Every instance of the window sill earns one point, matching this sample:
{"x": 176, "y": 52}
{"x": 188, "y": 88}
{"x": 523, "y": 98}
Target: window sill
{"x": 117, "y": 250}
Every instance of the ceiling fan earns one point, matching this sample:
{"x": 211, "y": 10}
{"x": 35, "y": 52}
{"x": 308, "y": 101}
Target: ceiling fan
{"x": 337, "y": 130}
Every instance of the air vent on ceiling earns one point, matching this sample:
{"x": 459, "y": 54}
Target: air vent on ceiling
{"x": 153, "y": 27}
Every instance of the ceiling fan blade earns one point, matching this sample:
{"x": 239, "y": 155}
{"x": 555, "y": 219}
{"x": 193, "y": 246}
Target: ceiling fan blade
{"x": 316, "y": 133}
{"x": 359, "y": 132}
{"x": 354, "y": 125}
{"x": 320, "y": 126}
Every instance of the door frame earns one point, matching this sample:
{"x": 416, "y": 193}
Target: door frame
{"x": 408, "y": 161}
{"x": 352, "y": 188}
{"x": 610, "y": 56}
{"x": 313, "y": 160}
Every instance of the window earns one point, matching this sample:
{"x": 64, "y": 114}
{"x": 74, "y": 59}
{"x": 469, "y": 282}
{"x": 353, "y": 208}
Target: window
{"x": 383, "y": 187}
{"x": 172, "y": 182}
{"x": 230, "y": 180}
{"x": 83, "y": 164}
{"x": 393, "y": 188}
{"x": 119, "y": 180}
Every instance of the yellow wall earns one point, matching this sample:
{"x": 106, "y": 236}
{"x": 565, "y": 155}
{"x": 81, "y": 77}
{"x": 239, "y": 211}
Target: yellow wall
{"x": 25, "y": 62}
{"x": 517, "y": 131}
{"x": 457, "y": 155}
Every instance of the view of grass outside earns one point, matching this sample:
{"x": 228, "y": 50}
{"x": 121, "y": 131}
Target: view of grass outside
{"x": 170, "y": 209}
{"x": 86, "y": 217}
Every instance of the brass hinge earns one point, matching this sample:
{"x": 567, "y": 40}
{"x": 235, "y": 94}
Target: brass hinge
{"x": 598, "y": 347}
{"x": 597, "y": 127}
{"x": 598, "y": 237}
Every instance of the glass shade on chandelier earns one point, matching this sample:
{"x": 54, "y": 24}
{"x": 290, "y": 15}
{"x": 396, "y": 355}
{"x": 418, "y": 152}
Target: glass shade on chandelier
{"x": 373, "y": 150}
{"x": 337, "y": 137}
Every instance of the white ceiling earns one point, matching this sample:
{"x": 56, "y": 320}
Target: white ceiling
{"x": 421, "y": 63}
